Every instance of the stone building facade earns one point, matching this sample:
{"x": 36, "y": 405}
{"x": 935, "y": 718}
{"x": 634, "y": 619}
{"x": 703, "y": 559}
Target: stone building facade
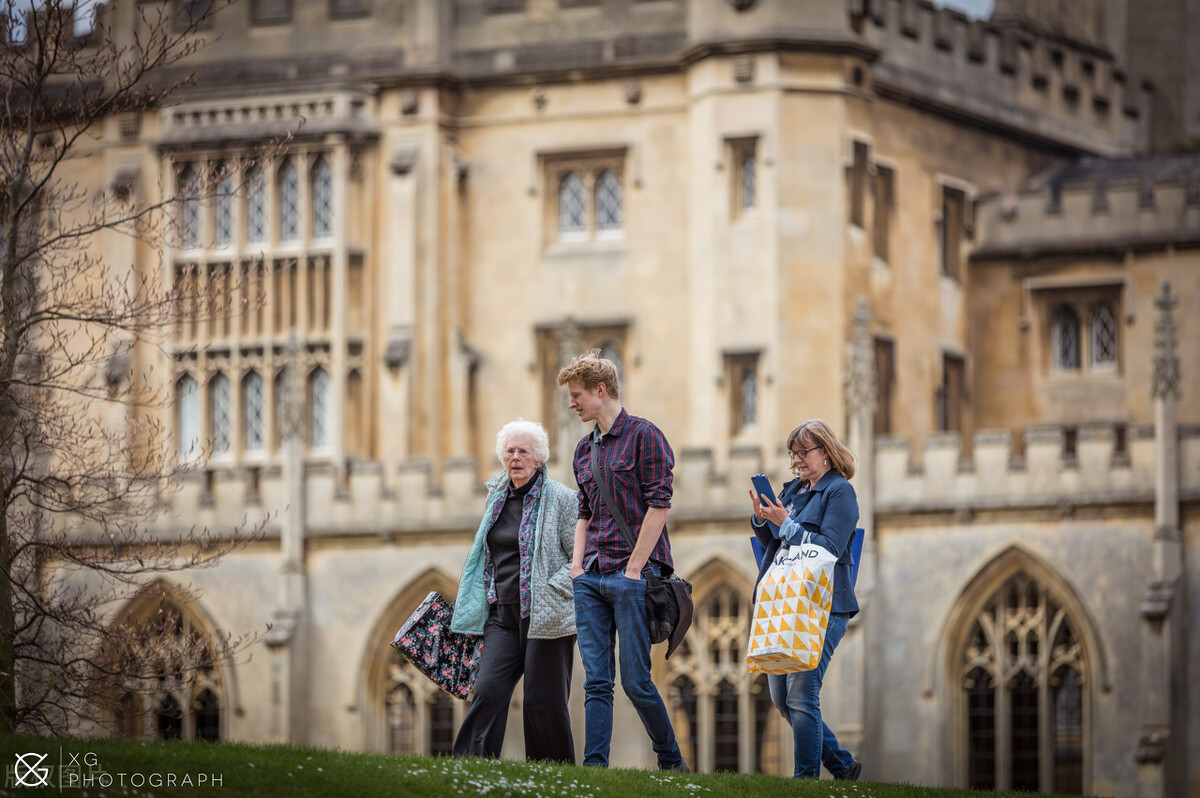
{"x": 950, "y": 238}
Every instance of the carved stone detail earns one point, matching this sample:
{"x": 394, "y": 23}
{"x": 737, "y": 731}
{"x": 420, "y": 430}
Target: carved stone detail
{"x": 1157, "y": 603}
{"x": 1164, "y": 382}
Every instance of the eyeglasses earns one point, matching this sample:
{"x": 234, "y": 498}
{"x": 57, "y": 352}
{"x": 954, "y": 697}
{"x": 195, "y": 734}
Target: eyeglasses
{"x": 800, "y": 455}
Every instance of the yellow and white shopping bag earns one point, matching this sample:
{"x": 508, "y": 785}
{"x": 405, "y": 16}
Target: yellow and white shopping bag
{"x": 791, "y": 610}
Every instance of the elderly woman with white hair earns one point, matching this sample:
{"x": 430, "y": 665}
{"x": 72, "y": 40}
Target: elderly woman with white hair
{"x": 515, "y": 590}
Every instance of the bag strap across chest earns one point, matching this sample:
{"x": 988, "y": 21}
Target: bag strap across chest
{"x": 609, "y": 502}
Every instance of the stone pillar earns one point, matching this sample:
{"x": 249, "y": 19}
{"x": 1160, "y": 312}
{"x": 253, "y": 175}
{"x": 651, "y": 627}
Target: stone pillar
{"x": 339, "y": 164}
{"x": 399, "y": 258}
{"x": 1162, "y": 628}
{"x": 567, "y": 429}
{"x": 851, "y": 663}
{"x": 288, "y": 637}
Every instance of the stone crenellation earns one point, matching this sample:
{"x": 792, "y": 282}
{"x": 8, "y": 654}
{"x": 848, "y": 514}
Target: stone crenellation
{"x": 1058, "y": 465}
{"x": 1066, "y": 92}
{"x": 253, "y": 118}
{"x": 1055, "y": 466}
{"x": 1096, "y": 202}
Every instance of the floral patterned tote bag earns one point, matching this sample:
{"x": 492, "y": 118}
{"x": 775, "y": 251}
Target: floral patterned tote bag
{"x": 450, "y": 659}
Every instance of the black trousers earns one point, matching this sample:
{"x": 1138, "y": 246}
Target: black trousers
{"x": 509, "y": 654}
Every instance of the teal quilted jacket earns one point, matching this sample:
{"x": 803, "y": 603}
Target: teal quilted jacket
{"x": 552, "y": 604}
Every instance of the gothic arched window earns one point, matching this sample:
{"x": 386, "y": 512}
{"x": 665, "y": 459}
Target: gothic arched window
{"x": 417, "y": 711}
{"x": 169, "y": 667}
{"x": 711, "y": 692}
{"x": 1022, "y": 661}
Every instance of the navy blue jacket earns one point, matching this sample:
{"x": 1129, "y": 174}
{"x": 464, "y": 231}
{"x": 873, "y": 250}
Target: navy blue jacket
{"x": 830, "y": 512}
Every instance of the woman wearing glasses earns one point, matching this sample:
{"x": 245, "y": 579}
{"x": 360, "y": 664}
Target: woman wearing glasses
{"x": 822, "y": 502}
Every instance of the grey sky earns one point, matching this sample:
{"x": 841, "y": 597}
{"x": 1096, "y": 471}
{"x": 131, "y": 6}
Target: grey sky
{"x": 973, "y": 8}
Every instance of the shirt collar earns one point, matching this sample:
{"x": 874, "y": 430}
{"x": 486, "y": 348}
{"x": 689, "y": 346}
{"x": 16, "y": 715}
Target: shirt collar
{"x": 615, "y": 430}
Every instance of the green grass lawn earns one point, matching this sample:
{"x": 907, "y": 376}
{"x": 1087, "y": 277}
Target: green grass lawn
{"x": 119, "y": 768}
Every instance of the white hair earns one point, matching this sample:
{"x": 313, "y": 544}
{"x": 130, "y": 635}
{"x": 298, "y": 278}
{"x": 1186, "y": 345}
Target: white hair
{"x": 535, "y": 431}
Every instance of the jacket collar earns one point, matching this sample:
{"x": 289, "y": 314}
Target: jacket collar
{"x": 822, "y": 483}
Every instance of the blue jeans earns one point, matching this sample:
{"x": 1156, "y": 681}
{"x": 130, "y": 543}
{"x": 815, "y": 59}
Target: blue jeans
{"x": 797, "y": 696}
{"x": 608, "y": 606}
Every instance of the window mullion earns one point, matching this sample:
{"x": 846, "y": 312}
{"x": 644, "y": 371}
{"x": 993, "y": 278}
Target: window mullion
{"x": 1003, "y": 732}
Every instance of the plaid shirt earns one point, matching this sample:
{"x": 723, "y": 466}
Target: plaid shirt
{"x": 635, "y": 461}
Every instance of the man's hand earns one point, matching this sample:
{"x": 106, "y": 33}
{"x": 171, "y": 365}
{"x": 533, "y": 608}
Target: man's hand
{"x": 576, "y": 570}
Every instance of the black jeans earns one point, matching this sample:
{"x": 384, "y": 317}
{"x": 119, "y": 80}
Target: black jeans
{"x": 508, "y": 653}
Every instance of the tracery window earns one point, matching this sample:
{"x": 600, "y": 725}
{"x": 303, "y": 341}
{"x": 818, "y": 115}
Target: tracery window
{"x": 261, "y": 231}
{"x": 1023, "y": 660}
{"x": 173, "y": 689}
{"x": 417, "y": 711}
{"x": 711, "y": 691}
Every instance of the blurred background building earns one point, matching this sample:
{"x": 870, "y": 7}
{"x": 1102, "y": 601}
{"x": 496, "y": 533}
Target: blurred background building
{"x": 969, "y": 244}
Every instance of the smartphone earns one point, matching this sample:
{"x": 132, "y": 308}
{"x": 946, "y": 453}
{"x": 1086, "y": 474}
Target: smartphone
{"x": 762, "y": 486}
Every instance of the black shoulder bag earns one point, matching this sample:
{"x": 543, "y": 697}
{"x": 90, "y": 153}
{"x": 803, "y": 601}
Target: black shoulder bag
{"x": 669, "y": 607}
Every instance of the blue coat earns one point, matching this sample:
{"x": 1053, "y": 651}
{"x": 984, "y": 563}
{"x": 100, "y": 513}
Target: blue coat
{"x": 830, "y": 512}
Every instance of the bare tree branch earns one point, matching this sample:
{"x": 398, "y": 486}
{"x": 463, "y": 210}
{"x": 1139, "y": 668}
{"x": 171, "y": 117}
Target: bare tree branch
{"x": 85, "y": 458}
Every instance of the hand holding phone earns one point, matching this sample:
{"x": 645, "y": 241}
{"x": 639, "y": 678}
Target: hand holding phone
{"x": 766, "y": 496}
